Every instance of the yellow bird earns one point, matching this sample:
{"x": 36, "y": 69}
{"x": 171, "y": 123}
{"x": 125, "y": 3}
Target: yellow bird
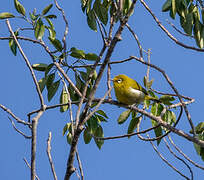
{"x": 128, "y": 91}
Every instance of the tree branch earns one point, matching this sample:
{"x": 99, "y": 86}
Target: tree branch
{"x": 27, "y": 63}
{"x": 49, "y": 155}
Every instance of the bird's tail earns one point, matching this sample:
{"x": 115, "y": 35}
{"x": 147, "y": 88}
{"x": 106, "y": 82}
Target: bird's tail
{"x": 152, "y": 99}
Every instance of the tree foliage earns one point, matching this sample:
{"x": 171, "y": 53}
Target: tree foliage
{"x": 78, "y": 91}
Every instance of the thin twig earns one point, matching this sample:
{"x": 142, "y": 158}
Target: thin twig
{"x": 184, "y": 155}
{"x": 170, "y": 165}
{"x": 178, "y": 29}
{"x": 80, "y": 165}
{"x": 18, "y": 120}
{"x": 180, "y": 159}
{"x": 98, "y": 105}
{"x": 49, "y": 155}
{"x": 109, "y": 80}
{"x": 67, "y": 78}
{"x": 25, "y": 160}
{"x": 27, "y": 63}
{"x": 14, "y": 126}
{"x": 66, "y": 26}
{"x": 137, "y": 40}
{"x": 126, "y": 135}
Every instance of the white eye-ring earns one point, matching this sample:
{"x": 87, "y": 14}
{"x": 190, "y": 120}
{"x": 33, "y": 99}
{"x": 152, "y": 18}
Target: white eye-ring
{"x": 119, "y": 80}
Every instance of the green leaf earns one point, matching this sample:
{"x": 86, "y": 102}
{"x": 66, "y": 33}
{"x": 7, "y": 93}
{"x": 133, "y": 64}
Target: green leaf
{"x": 51, "y": 16}
{"x": 66, "y": 128}
{"x": 19, "y": 7}
{"x": 166, "y": 6}
{"x": 101, "y": 12}
{"x": 64, "y": 100}
{"x": 126, "y": 6}
{"x": 198, "y": 148}
{"x": 6, "y": 15}
{"x": 92, "y": 124}
{"x": 42, "y": 83}
{"x": 91, "y": 20}
{"x": 156, "y": 109}
{"x": 200, "y": 128}
{"x": 49, "y": 67}
{"x": 102, "y": 113}
{"x": 196, "y": 13}
{"x": 133, "y": 125}
{"x": 157, "y": 131}
{"x": 198, "y": 31}
{"x": 166, "y": 99}
{"x": 76, "y": 53}
{"x": 13, "y": 45}
{"x": 79, "y": 82}
{"x": 87, "y": 136}
{"x": 124, "y": 116}
{"x": 52, "y": 33}
{"x": 39, "y": 29}
{"x": 56, "y": 43}
{"x": 50, "y": 23}
{"x": 46, "y": 10}
{"x": 69, "y": 138}
{"x": 52, "y": 90}
{"x": 73, "y": 95}
{"x": 99, "y": 133}
{"x": 202, "y": 13}
{"x": 91, "y": 57}
{"x": 173, "y": 8}
{"x": 40, "y": 67}
{"x": 50, "y": 80}
{"x": 145, "y": 81}
{"x": 84, "y": 75}
{"x": 100, "y": 118}
{"x": 187, "y": 23}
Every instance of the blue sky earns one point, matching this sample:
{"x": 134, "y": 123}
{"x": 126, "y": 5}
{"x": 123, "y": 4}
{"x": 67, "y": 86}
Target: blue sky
{"x": 118, "y": 159}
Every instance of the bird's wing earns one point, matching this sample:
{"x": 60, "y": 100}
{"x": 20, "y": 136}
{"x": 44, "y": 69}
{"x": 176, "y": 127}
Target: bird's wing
{"x": 138, "y": 87}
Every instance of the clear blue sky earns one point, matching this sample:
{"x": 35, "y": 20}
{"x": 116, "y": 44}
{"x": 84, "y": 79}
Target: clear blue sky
{"x": 118, "y": 159}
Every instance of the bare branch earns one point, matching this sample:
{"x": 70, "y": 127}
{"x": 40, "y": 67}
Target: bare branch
{"x": 184, "y": 34}
{"x": 67, "y": 78}
{"x": 30, "y": 167}
{"x": 49, "y": 155}
{"x": 184, "y": 155}
{"x": 14, "y": 126}
{"x": 180, "y": 159}
{"x": 33, "y": 143}
{"x": 66, "y": 25}
{"x": 137, "y": 40}
{"x": 80, "y": 165}
{"x": 27, "y": 63}
{"x": 170, "y": 165}
{"x": 13, "y": 115}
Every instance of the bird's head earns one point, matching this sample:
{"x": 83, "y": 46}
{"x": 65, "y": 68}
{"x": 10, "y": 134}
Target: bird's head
{"x": 120, "y": 81}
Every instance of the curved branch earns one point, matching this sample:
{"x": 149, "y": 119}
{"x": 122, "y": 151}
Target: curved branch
{"x": 170, "y": 165}
{"x": 180, "y": 159}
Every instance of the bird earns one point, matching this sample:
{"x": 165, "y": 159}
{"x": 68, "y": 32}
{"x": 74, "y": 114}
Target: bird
{"x": 128, "y": 91}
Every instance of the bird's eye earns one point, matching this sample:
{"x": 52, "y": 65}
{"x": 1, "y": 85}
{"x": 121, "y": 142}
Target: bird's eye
{"x": 119, "y": 80}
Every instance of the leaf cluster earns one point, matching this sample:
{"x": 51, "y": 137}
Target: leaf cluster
{"x": 191, "y": 18}
{"x": 103, "y": 10}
